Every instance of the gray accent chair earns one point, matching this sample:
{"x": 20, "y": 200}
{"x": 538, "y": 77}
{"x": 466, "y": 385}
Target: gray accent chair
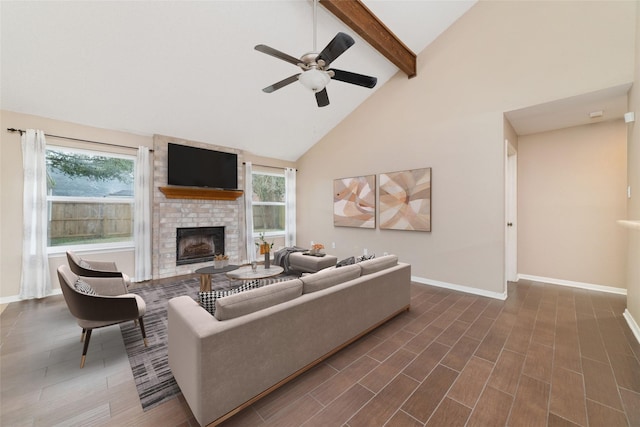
{"x": 110, "y": 305}
{"x": 86, "y": 268}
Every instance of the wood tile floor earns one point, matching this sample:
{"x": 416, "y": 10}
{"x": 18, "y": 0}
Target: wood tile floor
{"x": 547, "y": 356}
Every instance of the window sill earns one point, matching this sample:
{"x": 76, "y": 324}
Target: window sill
{"x": 92, "y": 248}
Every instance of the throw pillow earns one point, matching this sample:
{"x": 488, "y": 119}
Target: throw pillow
{"x": 365, "y": 257}
{"x": 84, "y": 264}
{"x": 208, "y": 299}
{"x": 346, "y": 261}
{"x": 84, "y": 288}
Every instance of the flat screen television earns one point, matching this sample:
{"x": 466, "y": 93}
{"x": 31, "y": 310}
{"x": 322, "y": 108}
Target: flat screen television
{"x": 199, "y": 167}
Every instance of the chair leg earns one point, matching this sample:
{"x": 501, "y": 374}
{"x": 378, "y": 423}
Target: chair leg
{"x": 85, "y": 348}
{"x": 144, "y": 334}
{"x": 84, "y": 332}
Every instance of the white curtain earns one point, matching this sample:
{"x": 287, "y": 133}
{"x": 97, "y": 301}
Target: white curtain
{"x": 35, "y": 281}
{"x": 248, "y": 208}
{"x": 142, "y": 217}
{"x": 290, "y": 226}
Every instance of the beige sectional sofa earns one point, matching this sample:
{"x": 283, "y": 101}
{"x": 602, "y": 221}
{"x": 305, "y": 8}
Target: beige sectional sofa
{"x": 262, "y": 338}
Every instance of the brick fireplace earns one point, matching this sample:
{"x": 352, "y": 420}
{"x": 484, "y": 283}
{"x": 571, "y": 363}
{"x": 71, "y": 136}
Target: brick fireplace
{"x": 169, "y": 215}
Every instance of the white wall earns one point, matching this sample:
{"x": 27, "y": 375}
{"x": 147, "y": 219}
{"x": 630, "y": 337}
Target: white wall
{"x": 498, "y": 57}
{"x": 633, "y": 210}
{"x": 572, "y": 186}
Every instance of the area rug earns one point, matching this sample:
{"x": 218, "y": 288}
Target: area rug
{"x": 150, "y": 365}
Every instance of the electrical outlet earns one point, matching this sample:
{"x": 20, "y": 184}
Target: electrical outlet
{"x": 365, "y": 251}
{"x": 333, "y": 245}
{"x": 385, "y": 253}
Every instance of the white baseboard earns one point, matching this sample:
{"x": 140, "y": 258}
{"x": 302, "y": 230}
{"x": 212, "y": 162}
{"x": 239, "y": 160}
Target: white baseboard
{"x": 632, "y": 324}
{"x": 572, "y": 284}
{"x": 461, "y": 288}
{"x": 16, "y": 298}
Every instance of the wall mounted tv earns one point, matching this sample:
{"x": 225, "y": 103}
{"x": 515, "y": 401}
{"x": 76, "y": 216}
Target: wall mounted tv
{"x": 199, "y": 167}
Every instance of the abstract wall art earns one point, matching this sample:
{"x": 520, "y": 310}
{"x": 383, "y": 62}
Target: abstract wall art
{"x": 354, "y": 202}
{"x": 405, "y": 200}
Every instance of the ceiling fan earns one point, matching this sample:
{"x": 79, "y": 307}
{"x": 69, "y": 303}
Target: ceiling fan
{"x": 316, "y": 73}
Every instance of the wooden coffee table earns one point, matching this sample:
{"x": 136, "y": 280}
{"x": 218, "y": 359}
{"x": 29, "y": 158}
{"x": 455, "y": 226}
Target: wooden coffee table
{"x": 206, "y": 272}
{"x": 247, "y": 273}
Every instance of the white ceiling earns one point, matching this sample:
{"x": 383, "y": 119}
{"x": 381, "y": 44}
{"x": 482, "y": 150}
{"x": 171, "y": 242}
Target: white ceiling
{"x": 188, "y": 69}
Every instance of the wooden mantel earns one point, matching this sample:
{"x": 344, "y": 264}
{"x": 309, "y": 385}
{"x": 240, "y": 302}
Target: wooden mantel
{"x": 177, "y": 192}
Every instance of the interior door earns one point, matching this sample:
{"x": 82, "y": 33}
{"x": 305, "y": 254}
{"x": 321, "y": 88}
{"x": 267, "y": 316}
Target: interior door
{"x": 511, "y": 213}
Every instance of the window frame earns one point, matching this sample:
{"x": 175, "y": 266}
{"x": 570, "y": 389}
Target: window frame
{"x": 90, "y": 247}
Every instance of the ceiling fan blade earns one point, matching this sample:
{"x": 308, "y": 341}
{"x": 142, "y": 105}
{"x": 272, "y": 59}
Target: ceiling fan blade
{"x": 354, "y": 78}
{"x": 277, "y": 54}
{"x": 322, "y": 98}
{"x": 335, "y": 48}
{"x": 281, "y": 83}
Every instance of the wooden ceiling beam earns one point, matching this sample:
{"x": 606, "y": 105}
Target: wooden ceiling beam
{"x": 361, "y": 20}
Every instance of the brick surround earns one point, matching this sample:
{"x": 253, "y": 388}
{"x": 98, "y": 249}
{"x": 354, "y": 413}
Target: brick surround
{"x": 169, "y": 214}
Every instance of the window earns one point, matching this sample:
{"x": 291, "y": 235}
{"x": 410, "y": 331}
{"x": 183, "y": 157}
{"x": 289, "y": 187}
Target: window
{"x": 269, "y": 207}
{"x": 90, "y": 199}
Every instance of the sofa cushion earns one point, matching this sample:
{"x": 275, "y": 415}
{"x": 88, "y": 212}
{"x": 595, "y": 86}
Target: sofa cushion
{"x": 208, "y": 298}
{"x": 329, "y": 277}
{"x": 84, "y": 288}
{"x": 247, "y": 302}
{"x": 377, "y": 264}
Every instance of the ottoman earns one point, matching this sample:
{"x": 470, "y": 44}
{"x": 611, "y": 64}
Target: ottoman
{"x": 310, "y": 263}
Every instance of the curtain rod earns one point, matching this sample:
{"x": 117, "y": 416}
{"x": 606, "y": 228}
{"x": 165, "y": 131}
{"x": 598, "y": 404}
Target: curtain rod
{"x": 267, "y": 166}
{"x": 76, "y": 139}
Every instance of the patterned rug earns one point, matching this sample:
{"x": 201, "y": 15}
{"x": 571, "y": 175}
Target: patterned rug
{"x": 150, "y": 365}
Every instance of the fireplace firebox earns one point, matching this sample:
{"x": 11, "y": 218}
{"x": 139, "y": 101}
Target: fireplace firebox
{"x": 198, "y": 244}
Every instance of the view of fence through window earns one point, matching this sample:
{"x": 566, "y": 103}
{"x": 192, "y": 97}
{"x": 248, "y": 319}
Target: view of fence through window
{"x": 269, "y": 209}
{"x": 90, "y": 197}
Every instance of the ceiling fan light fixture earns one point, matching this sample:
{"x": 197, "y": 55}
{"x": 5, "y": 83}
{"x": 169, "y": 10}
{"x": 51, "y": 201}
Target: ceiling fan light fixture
{"x": 314, "y": 79}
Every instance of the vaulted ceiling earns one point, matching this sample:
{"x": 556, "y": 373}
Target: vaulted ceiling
{"x": 189, "y": 69}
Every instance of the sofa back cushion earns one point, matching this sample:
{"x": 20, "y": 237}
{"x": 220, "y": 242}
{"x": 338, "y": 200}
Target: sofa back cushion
{"x": 208, "y": 298}
{"x": 329, "y": 277}
{"x": 376, "y": 264}
{"x": 252, "y": 300}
